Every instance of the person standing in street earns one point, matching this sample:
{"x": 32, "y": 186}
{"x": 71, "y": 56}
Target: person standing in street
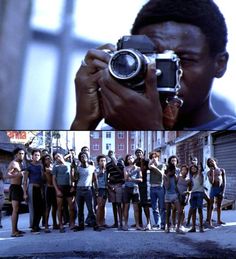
{"x": 196, "y": 200}
{"x": 133, "y": 176}
{"x": 157, "y": 191}
{"x": 15, "y": 174}
{"x": 101, "y": 190}
{"x": 141, "y": 162}
{"x": 64, "y": 190}
{"x": 50, "y": 193}
{"x": 85, "y": 179}
{"x": 115, "y": 178}
{"x": 33, "y": 190}
{"x": 183, "y": 186}
{"x": 217, "y": 178}
{"x": 171, "y": 196}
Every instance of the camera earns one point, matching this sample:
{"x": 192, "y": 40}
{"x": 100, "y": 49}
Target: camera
{"x": 128, "y": 65}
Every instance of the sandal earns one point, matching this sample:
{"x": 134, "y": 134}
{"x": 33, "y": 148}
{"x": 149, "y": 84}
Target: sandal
{"x": 125, "y": 228}
{"x": 20, "y": 232}
{"x": 16, "y": 235}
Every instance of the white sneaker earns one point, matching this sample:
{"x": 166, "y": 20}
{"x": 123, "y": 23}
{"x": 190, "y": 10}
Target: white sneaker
{"x": 148, "y": 227}
{"x": 156, "y": 226}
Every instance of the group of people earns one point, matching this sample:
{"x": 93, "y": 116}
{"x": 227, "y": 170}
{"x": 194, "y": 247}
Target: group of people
{"x": 64, "y": 184}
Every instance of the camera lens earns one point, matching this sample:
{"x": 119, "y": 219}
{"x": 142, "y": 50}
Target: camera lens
{"x": 125, "y": 64}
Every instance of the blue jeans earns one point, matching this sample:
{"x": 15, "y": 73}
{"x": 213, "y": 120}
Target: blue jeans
{"x": 84, "y": 195}
{"x": 157, "y": 195}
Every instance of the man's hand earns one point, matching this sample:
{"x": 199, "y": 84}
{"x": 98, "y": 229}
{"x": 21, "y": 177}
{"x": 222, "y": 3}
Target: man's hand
{"x": 126, "y": 109}
{"x": 88, "y": 111}
{"x": 59, "y": 194}
{"x": 26, "y": 197}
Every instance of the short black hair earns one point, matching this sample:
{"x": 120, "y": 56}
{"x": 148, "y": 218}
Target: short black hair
{"x": 84, "y": 147}
{"x": 44, "y": 159}
{"x": 99, "y": 157}
{"x": 204, "y": 14}
{"x": 193, "y": 166}
{"x": 169, "y": 159}
{"x": 36, "y": 150}
{"x": 82, "y": 153}
{"x": 208, "y": 161}
{"x": 55, "y": 153}
{"x": 16, "y": 150}
{"x": 138, "y": 150}
{"x": 126, "y": 159}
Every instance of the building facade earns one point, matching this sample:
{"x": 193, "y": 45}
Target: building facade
{"x": 121, "y": 142}
{"x": 220, "y": 145}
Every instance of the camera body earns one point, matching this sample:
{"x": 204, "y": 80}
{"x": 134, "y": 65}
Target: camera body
{"x": 128, "y": 65}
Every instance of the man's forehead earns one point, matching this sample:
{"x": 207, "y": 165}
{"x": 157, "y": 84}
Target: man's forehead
{"x": 176, "y": 36}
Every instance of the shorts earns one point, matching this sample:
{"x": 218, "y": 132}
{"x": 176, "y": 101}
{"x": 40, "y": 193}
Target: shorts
{"x": 130, "y": 194}
{"x": 2, "y": 199}
{"x": 103, "y": 193}
{"x": 16, "y": 193}
{"x": 65, "y": 189}
{"x": 196, "y": 201}
{"x": 115, "y": 193}
{"x": 50, "y": 194}
{"x": 143, "y": 195}
{"x": 216, "y": 191}
{"x": 171, "y": 198}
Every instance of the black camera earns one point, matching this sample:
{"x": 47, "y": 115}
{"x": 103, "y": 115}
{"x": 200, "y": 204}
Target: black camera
{"x": 128, "y": 65}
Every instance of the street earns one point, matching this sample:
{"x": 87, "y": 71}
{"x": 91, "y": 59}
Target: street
{"x": 111, "y": 243}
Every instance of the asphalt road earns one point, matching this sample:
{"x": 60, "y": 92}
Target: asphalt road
{"x": 111, "y": 243}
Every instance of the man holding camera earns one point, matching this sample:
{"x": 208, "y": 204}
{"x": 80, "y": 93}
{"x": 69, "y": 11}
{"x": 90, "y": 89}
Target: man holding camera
{"x": 191, "y": 32}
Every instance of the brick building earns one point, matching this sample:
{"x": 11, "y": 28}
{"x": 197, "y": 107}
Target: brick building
{"x": 122, "y": 142}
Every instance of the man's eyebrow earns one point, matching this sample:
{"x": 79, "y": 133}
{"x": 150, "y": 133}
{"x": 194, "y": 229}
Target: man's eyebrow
{"x": 185, "y": 51}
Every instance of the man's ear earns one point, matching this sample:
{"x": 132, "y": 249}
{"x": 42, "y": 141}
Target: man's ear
{"x": 221, "y": 61}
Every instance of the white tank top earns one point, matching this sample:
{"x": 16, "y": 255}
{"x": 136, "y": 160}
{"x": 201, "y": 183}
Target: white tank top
{"x": 197, "y": 184}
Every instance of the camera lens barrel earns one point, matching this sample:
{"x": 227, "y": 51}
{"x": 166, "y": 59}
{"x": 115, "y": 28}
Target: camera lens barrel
{"x": 128, "y": 66}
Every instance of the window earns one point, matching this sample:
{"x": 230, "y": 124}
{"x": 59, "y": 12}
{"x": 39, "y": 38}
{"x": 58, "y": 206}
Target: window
{"x": 108, "y": 134}
{"x": 132, "y": 147}
{"x": 108, "y": 146}
{"x": 121, "y": 146}
{"x": 95, "y": 135}
{"x": 95, "y": 146}
{"x": 120, "y": 134}
{"x": 132, "y": 134}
